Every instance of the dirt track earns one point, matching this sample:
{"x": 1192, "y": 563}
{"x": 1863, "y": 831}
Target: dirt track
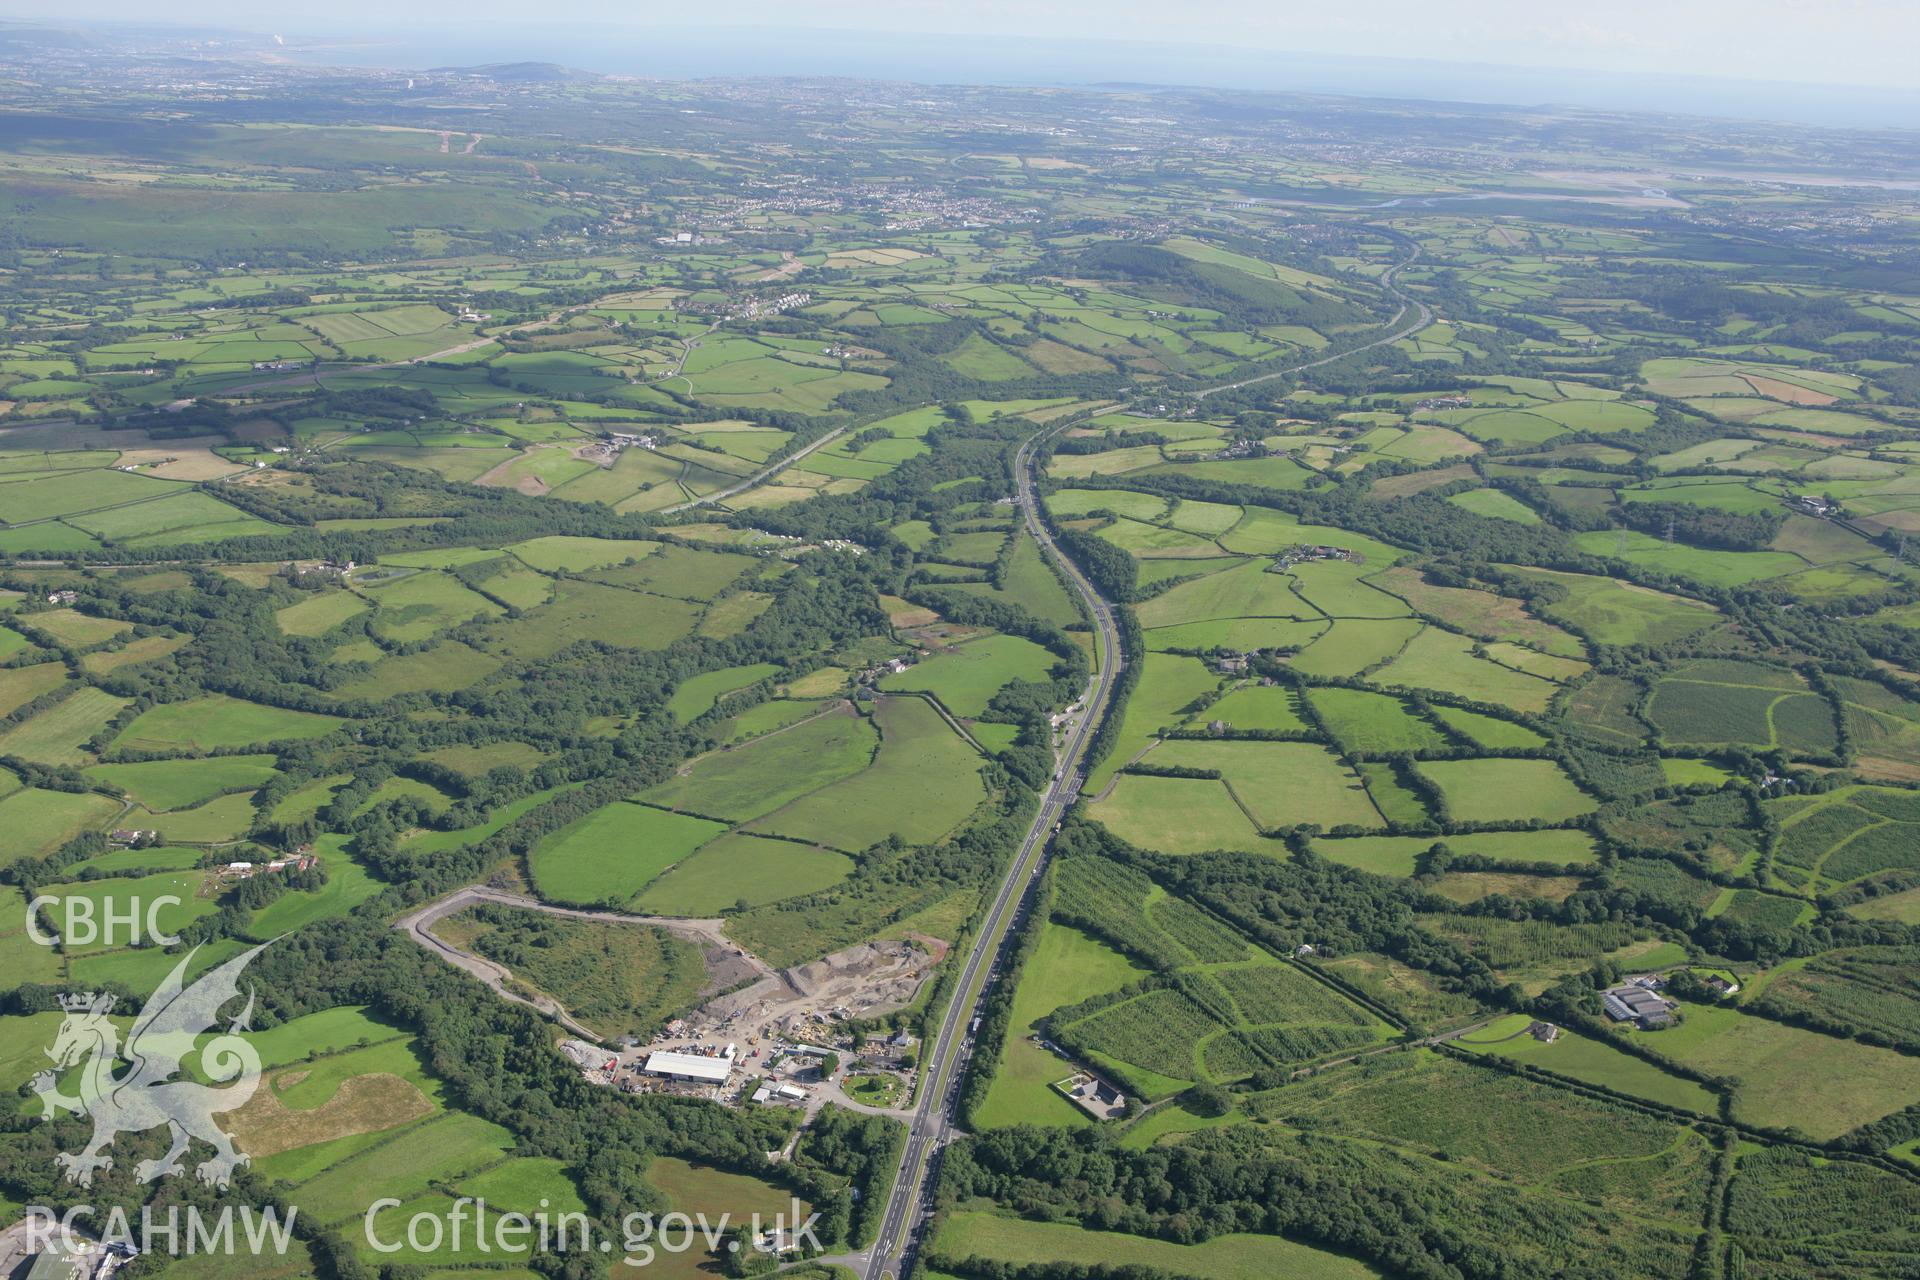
{"x": 727, "y": 965}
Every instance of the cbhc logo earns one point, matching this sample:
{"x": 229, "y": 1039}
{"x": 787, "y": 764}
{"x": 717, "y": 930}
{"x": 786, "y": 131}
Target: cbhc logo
{"x": 104, "y": 923}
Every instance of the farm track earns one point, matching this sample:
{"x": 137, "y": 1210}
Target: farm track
{"x": 703, "y": 933}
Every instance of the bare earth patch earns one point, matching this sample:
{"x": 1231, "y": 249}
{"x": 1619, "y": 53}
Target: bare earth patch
{"x": 265, "y": 1126}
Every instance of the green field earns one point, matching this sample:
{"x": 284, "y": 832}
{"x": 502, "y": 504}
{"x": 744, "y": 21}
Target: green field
{"x": 611, "y": 854}
{"x": 966, "y": 678}
{"x": 738, "y": 869}
{"x": 751, "y": 780}
{"x": 217, "y": 721}
{"x": 1590, "y": 1061}
{"x": 1167, "y": 684}
{"x": 1507, "y": 790}
{"x": 918, "y": 755}
{"x": 997, "y": 1238}
{"x": 36, "y": 822}
{"x": 1787, "y": 1076}
{"x": 1280, "y": 784}
{"x": 1066, "y": 967}
{"x": 60, "y": 734}
{"x": 1179, "y": 815}
{"x": 1613, "y": 612}
{"x": 696, "y": 696}
{"x": 181, "y": 784}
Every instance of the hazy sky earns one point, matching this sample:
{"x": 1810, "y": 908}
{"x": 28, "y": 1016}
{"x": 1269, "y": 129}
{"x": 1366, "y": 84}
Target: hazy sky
{"x": 1849, "y": 42}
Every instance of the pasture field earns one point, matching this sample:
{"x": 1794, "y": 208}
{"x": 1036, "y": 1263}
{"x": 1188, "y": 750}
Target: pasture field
{"x": 1281, "y": 784}
{"x": 73, "y": 630}
{"x": 182, "y": 784}
{"x": 997, "y": 1238}
{"x": 35, "y": 822}
{"x": 966, "y": 677}
{"x": 59, "y": 734}
{"x": 696, "y": 696}
{"x": 477, "y": 762}
{"x": 695, "y": 1189}
{"x": 1499, "y": 790}
{"x": 21, "y": 685}
{"x": 1484, "y": 614}
{"x": 1590, "y": 1061}
{"x": 1788, "y": 1076}
{"x": 1495, "y": 504}
{"x": 1353, "y": 645}
{"x": 1372, "y": 723}
{"x": 444, "y": 668}
{"x": 1254, "y": 707}
{"x": 741, "y": 868}
{"x": 123, "y": 896}
{"x": 1179, "y": 815}
{"x": 559, "y": 552}
{"x": 611, "y": 854}
{"x": 1167, "y": 685}
{"x": 103, "y": 662}
{"x": 215, "y": 822}
{"x": 422, "y": 605}
{"x": 1443, "y": 662}
{"x": 217, "y": 721}
{"x": 1488, "y": 731}
{"x": 771, "y": 771}
{"x": 918, "y": 755}
{"x": 1066, "y": 967}
{"x": 1613, "y": 612}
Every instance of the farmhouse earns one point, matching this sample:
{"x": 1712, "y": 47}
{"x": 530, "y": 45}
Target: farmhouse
{"x": 1297, "y": 555}
{"x": 695, "y": 1067}
{"x": 1093, "y": 1095}
{"x": 1809, "y": 504}
{"x": 247, "y": 870}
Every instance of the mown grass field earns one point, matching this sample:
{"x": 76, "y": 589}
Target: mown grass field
{"x": 216, "y": 721}
{"x": 996, "y": 1237}
{"x": 1067, "y": 966}
{"x": 1790, "y": 1078}
{"x": 739, "y": 868}
{"x": 918, "y": 755}
{"x": 966, "y": 677}
{"x": 614, "y": 852}
{"x": 1591, "y": 1061}
{"x": 755, "y": 779}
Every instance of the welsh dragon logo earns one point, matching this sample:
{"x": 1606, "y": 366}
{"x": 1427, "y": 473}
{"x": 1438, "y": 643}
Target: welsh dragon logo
{"x": 147, "y": 1096}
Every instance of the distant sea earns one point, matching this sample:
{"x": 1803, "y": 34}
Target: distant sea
{"x": 691, "y": 52}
